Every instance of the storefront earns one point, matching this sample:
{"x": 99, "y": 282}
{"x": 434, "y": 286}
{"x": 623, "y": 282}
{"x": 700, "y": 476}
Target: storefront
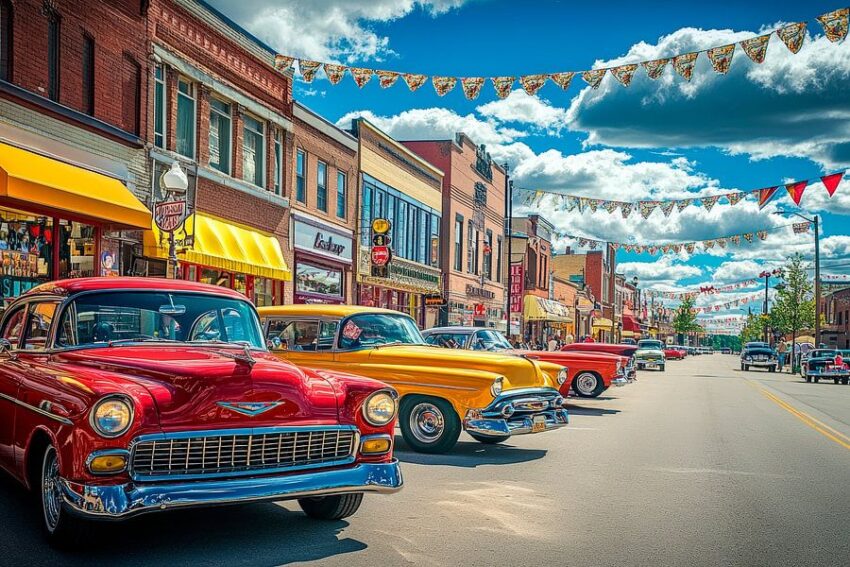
{"x": 215, "y": 251}
{"x": 61, "y": 221}
{"x": 323, "y": 258}
{"x": 403, "y": 289}
{"x": 631, "y": 328}
{"x": 603, "y": 329}
{"x": 478, "y": 306}
{"x": 545, "y": 317}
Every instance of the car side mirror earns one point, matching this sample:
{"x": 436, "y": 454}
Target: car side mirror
{"x": 6, "y": 349}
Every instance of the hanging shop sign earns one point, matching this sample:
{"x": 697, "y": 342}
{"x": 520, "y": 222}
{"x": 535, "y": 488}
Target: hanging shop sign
{"x": 169, "y": 215}
{"x": 435, "y": 300}
{"x": 380, "y": 255}
{"x": 516, "y": 287}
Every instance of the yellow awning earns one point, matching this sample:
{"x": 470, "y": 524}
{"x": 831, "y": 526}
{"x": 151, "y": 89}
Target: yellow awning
{"x": 602, "y": 323}
{"x": 542, "y": 309}
{"x": 220, "y": 244}
{"x": 31, "y": 179}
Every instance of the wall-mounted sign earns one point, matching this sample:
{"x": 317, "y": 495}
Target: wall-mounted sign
{"x": 380, "y": 255}
{"x": 323, "y": 241}
{"x": 381, "y": 240}
{"x": 435, "y": 300}
{"x": 479, "y": 311}
{"x": 169, "y": 215}
{"x": 381, "y": 226}
{"x": 473, "y": 291}
{"x": 516, "y": 287}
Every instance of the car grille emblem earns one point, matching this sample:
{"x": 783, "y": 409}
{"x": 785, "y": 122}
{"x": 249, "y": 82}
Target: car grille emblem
{"x": 249, "y": 408}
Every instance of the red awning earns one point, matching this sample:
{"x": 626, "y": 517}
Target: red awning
{"x": 629, "y": 324}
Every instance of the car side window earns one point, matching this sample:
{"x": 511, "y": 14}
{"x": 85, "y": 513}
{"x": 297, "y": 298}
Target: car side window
{"x": 327, "y": 334}
{"x": 295, "y": 335}
{"x": 38, "y": 325}
{"x": 14, "y": 327}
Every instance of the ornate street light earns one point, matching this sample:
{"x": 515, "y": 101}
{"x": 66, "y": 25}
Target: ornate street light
{"x": 175, "y": 184}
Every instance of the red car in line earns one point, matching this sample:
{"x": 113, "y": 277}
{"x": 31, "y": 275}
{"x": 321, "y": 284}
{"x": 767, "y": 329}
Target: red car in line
{"x": 121, "y": 396}
{"x": 590, "y": 373}
{"x": 674, "y": 353}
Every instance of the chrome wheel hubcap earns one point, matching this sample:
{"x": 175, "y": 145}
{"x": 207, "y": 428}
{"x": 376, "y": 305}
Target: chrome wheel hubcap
{"x": 51, "y": 493}
{"x": 586, "y": 383}
{"x": 427, "y": 423}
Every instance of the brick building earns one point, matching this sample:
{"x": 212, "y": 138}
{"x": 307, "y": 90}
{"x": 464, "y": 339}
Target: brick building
{"x": 74, "y": 183}
{"x": 219, "y": 108}
{"x": 596, "y": 270}
{"x": 835, "y": 333}
{"x": 473, "y": 220}
{"x": 324, "y": 211}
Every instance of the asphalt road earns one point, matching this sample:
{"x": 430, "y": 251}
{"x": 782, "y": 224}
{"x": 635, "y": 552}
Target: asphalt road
{"x": 699, "y": 465}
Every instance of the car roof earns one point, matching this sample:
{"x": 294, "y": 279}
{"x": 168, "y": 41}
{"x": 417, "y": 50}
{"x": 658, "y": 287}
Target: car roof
{"x": 457, "y": 329}
{"x": 73, "y": 286}
{"x": 322, "y": 309}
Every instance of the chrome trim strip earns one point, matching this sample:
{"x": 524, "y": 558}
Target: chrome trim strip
{"x": 53, "y": 416}
{"x": 392, "y": 382}
{"x": 241, "y": 431}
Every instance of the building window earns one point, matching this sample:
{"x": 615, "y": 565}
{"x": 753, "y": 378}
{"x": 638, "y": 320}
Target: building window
{"x": 488, "y": 254}
{"x": 185, "y": 118}
{"x": 435, "y": 240}
{"x": 159, "y": 106}
{"x": 88, "y": 74}
{"x": 220, "y": 128}
{"x": 131, "y": 94}
{"x": 278, "y": 165}
{"x": 341, "y": 195}
{"x": 499, "y": 259}
{"x": 253, "y": 151}
{"x": 54, "y": 39}
{"x": 300, "y": 182}
{"x": 366, "y": 216}
{"x": 322, "y": 186}
{"x": 458, "y": 243}
{"x": 6, "y": 40}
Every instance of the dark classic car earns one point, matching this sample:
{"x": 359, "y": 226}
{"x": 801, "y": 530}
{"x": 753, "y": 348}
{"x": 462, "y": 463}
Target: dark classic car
{"x": 826, "y": 364}
{"x": 120, "y": 396}
{"x": 759, "y": 355}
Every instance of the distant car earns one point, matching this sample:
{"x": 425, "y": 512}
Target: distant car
{"x": 759, "y": 355}
{"x": 629, "y": 342}
{"x": 674, "y": 353}
{"x": 650, "y": 355}
{"x": 726, "y": 350}
{"x": 826, "y": 364}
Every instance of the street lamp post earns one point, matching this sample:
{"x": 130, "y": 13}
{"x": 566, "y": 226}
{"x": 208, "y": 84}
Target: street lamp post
{"x": 815, "y": 221}
{"x": 175, "y": 184}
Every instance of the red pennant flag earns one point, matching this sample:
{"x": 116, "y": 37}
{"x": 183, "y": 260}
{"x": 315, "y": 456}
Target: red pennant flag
{"x": 765, "y": 195}
{"x": 831, "y": 182}
{"x": 796, "y": 191}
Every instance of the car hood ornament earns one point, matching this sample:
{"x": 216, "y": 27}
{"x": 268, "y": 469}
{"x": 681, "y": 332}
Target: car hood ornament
{"x": 249, "y": 408}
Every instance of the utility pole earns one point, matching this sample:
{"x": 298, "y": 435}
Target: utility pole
{"x": 817, "y": 281}
{"x": 509, "y": 213}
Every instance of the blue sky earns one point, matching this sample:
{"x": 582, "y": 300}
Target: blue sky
{"x": 760, "y": 125}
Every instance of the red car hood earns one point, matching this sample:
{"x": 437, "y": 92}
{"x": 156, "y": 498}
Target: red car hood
{"x": 202, "y": 387}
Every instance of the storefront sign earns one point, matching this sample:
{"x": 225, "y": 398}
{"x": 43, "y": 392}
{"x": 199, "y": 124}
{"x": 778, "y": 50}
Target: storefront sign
{"x": 435, "y": 300}
{"x": 381, "y": 226}
{"x": 516, "y": 287}
{"x": 327, "y": 244}
{"x": 380, "y": 255}
{"x": 479, "y": 311}
{"x": 168, "y": 215}
{"x": 13, "y": 287}
{"x": 479, "y": 292}
{"x": 323, "y": 241}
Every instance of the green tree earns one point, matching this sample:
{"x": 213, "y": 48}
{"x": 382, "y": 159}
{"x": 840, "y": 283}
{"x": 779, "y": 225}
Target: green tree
{"x": 685, "y": 320}
{"x": 794, "y": 306}
{"x": 754, "y": 328}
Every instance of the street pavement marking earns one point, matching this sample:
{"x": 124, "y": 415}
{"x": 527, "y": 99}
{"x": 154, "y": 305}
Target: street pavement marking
{"x": 815, "y": 424}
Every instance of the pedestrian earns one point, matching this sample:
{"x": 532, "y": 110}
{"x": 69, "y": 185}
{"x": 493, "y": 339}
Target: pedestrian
{"x": 781, "y": 352}
{"x": 553, "y": 343}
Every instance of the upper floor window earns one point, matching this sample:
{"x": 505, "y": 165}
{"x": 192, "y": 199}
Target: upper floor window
{"x": 278, "y": 165}
{"x": 185, "y": 133}
{"x": 131, "y": 94}
{"x": 88, "y": 74}
{"x": 322, "y": 186}
{"x": 159, "y": 106}
{"x": 253, "y": 151}
{"x": 54, "y": 40}
{"x": 488, "y": 254}
{"x": 6, "y": 44}
{"x": 498, "y": 258}
{"x": 220, "y": 128}
{"x": 341, "y": 195}
{"x": 300, "y": 163}
{"x": 458, "y": 243}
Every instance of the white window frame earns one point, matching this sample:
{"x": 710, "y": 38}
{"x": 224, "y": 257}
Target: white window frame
{"x": 342, "y": 175}
{"x": 192, "y": 97}
{"x": 214, "y": 110}
{"x": 318, "y": 184}
{"x": 159, "y": 82}
{"x": 262, "y": 133}
{"x": 278, "y": 165}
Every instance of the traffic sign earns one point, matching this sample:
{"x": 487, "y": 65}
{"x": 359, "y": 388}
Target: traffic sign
{"x": 381, "y": 226}
{"x": 381, "y": 240}
{"x": 381, "y": 255}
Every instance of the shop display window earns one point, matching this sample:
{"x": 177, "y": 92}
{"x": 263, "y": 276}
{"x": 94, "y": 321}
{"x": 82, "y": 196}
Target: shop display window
{"x": 76, "y": 249}
{"x": 318, "y": 280}
{"x": 263, "y": 292}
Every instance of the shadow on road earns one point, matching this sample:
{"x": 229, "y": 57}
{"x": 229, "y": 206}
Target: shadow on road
{"x": 469, "y": 454}
{"x": 256, "y": 534}
{"x": 584, "y": 410}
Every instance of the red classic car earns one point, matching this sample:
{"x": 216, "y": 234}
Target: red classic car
{"x": 674, "y": 353}
{"x": 120, "y": 396}
{"x": 590, "y": 373}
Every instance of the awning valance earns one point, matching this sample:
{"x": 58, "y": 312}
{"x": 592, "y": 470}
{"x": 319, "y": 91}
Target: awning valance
{"x": 35, "y": 180}
{"x": 602, "y": 323}
{"x": 220, "y": 244}
{"x": 542, "y": 309}
{"x": 630, "y": 324}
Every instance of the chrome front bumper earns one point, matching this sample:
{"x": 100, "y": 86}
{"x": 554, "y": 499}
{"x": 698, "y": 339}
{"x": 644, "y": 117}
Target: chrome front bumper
{"x": 124, "y": 500}
{"x": 515, "y": 412}
{"x": 828, "y": 373}
{"x": 761, "y": 363}
{"x": 620, "y": 381}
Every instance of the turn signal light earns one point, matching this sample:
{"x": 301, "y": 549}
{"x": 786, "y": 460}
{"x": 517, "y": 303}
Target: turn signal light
{"x": 375, "y": 446}
{"x": 106, "y": 464}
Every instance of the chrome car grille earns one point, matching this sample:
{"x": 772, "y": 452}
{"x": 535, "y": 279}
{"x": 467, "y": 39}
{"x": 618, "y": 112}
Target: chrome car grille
{"x": 240, "y": 452}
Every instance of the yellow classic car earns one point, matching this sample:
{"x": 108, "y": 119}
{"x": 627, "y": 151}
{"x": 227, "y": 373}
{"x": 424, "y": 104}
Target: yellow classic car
{"x": 491, "y": 396}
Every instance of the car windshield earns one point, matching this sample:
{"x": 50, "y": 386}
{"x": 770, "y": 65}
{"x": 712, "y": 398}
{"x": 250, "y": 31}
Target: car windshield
{"x": 656, "y": 345}
{"x": 823, "y": 353}
{"x": 447, "y": 340}
{"x": 490, "y": 340}
{"x": 151, "y": 316}
{"x": 376, "y": 329}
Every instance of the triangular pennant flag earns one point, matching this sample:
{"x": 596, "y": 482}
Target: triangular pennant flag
{"x": 610, "y": 206}
{"x": 582, "y": 242}
{"x": 748, "y": 236}
{"x": 666, "y": 248}
{"x": 563, "y": 80}
{"x": 624, "y": 73}
{"x": 835, "y": 24}
{"x": 593, "y": 244}
{"x": 801, "y": 227}
{"x": 639, "y": 248}
{"x": 532, "y": 83}
{"x": 831, "y": 182}
{"x": 582, "y": 204}
{"x": 283, "y": 62}
{"x": 690, "y": 247}
{"x": 734, "y": 198}
{"x": 684, "y": 64}
{"x": 709, "y": 202}
{"x": 765, "y": 195}
{"x": 677, "y": 248}
{"x": 471, "y": 86}
{"x": 653, "y": 250}
{"x": 626, "y": 209}
{"x": 667, "y": 207}
{"x": 721, "y": 242}
{"x": 762, "y": 234}
{"x": 708, "y": 244}
{"x": 361, "y": 75}
{"x": 503, "y": 85}
{"x": 615, "y": 246}
{"x": 387, "y": 78}
{"x": 795, "y": 190}
{"x": 736, "y": 240}
{"x": 792, "y": 36}
{"x": 593, "y": 204}
{"x": 442, "y": 85}
{"x": 655, "y": 68}
{"x": 572, "y": 203}
{"x": 308, "y": 69}
{"x": 414, "y": 81}
{"x": 593, "y": 77}
{"x": 646, "y": 208}
{"x": 334, "y": 72}
{"x": 683, "y": 204}
{"x": 721, "y": 57}
{"x": 628, "y": 247}
{"x": 756, "y": 47}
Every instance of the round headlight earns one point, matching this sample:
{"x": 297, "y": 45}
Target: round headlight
{"x": 379, "y": 409}
{"x": 563, "y": 375}
{"x": 496, "y": 388}
{"x": 112, "y": 416}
